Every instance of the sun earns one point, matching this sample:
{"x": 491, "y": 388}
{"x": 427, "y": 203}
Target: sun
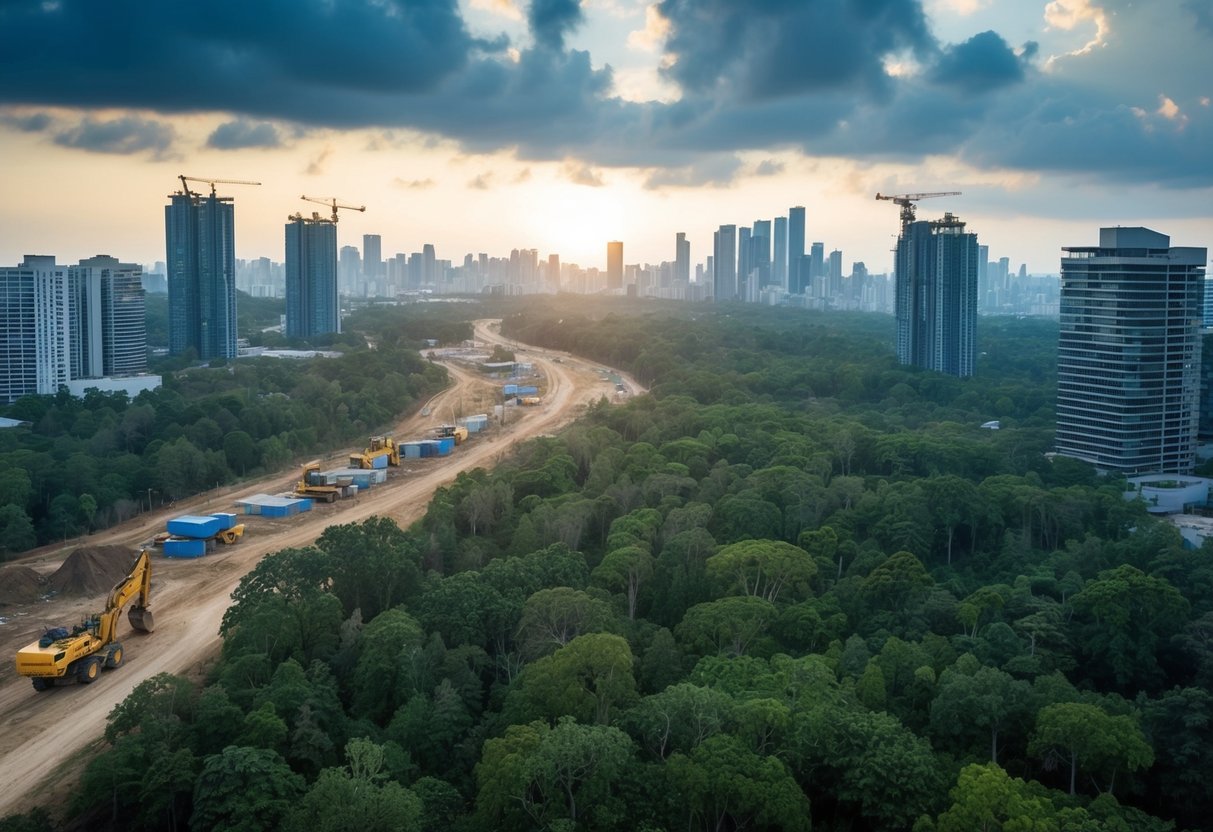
{"x": 576, "y": 221}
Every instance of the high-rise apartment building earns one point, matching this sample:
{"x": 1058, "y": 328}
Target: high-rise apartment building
{"x": 61, "y": 325}
{"x": 682, "y": 258}
{"x": 724, "y": 272}
{"x": 372, "y": 255}
{"x": 108, "y": 332}
{"x": 936, "y": 296}
{"x": 312, "y": 307}
{"x": 760, "y": 251}
{"x": 35, "y": 316}
{"x": 200, "y": 242}
{"x": 614, "y": 265}
{"x": 798, "y": 278}
{"x": 1129, "y": 352}
{"x": 779, "y": 267}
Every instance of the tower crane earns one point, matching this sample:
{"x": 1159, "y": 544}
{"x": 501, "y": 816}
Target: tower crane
{"x": 334, "y": 204}
{"x": 212, "y": 182}
{"x": 906, "y": 201}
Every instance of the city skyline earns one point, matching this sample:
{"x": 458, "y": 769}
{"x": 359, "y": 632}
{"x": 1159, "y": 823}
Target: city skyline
{"x": 611, "y": 121}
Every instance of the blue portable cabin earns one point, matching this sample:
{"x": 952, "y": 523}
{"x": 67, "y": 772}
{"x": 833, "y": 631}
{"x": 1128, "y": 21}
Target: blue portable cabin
{"x": 184, "y": 547}
{"x": 226, "y": 519}
{"x": 411, "y": 450}
{"x": 189, "y": 525}
{"x": 445, "y": 445}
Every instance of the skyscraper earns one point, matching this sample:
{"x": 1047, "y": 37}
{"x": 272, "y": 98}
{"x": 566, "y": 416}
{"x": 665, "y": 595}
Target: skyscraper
{"x": 682, "y": 258}
{"x": 372, "y": 255}
{"x": 745, "y": 260}
{"x": 798, "y": 279}
{"x": 936, "y": 296}
{"x": 200, "y": 242}
{"x": 554, "y": 272}
{"x": 817, "y": 268}
{"x": 614, "y": 265}
{"x": 108, "y": 318}
{"x": 724, "y": 277}
{"x": 35, "y": 316}
{"x": 760, "y": 251}
{"x": 1129, "y": 352}
{"x": 779, "y": 271}
{"x": 311, "y": 277}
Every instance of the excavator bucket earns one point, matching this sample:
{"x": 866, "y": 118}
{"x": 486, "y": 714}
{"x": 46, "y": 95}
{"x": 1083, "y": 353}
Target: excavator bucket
{"x": 141, "y": 619}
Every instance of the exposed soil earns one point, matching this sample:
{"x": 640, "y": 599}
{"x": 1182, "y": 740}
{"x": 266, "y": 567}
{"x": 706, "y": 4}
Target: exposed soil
{"x": 92, "y": 570}
{"x": 45, "y": 735}
{"x": 20, "y": 585}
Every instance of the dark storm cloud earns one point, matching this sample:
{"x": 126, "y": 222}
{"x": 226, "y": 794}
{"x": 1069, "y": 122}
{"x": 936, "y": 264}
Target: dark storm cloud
{"x": 242, "y": 133}
{"x": 30, "y": 123}
{"x": 124, "y": 135}
{"x": 752, "y": 74}
{"x": 551, "y": 20}
{"x": 982, "y": 63}
{"x": 765, "y": 48}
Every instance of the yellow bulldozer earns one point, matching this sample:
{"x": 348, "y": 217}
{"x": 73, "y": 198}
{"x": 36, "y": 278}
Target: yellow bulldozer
{"x": 458, "y": 432}
{"x": 381, "y": 446}
{"x": 64, "y": 656}
{"x": 313, "y": 485}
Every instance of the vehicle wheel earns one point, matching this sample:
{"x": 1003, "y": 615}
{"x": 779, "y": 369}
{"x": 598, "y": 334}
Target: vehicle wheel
{"x": 41, "y": 684}
{"x": 90, "y": 669}
{"x": 114, "y": 659}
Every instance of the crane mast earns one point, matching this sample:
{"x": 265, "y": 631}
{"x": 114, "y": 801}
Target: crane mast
{"x": 906, "y": 201}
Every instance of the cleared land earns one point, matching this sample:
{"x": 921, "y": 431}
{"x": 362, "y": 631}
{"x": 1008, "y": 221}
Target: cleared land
{"x": 43, "y": 734}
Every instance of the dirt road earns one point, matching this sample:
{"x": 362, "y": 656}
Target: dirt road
{"x": 43, "y": 734}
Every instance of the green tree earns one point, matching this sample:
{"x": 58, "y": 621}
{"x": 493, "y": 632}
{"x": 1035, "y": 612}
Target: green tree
{"x": 16, "y": 530}
{"x": 357, "y": 797}
{"x": 565, "y": 773}
{"x": 586, "y": 679}
{"x": 763, "y": 568}
{"x": 971, "y": 696}
{"x": 1125, "y": 615}
{"x": 551, "y": 618}
{"x": 729, "y": 625}
{"x": 986, "y": 799}
{"x": 678, "y": 719}
{"x": 244, "y": 790}
{"x": 722, "y": 785}
{"x": 240, "y": 451}
{"x": 625, "y": 570}
{"x": 1088, "y": 738}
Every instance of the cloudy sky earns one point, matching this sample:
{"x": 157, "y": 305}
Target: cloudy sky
{"x": 485, "y": 125}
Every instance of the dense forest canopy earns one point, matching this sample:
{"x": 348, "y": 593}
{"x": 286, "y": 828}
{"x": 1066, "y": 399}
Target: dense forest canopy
{"x": 796, "y": 587}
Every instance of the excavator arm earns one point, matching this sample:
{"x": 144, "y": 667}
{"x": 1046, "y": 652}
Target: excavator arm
{"x": 138, "y": 582}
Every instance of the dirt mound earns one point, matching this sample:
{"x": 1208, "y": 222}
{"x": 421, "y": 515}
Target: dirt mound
{"x": 92, "y": 570}
{"x": 20, "y": 585}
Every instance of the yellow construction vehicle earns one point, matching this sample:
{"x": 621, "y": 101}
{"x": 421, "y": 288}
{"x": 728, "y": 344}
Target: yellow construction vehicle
{"x": 313, "y": 485}
{"x": 64, "y": 656}
{"x": 381, "y": 446}
{"x": 459, "y": 432}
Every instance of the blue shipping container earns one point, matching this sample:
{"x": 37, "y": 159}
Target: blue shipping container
{"x": 184, "y": 548}
{"x": 191, "y": 526}
{"x": 510, "y": 389}
{"x": 429, "y": 448}
{"x": 226, "y": 521}
{"x": 528, "y": 391}
{"x": 412, "y": 450}
{"x": 379, "y": 462}
{"x": 445, "y": 445}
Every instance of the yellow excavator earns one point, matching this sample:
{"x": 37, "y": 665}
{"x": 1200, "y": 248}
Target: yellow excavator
{"x": 64, "y": 656}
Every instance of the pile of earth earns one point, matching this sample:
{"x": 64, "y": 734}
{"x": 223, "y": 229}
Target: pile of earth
{"x": 91, "y": 570}
{"x": 20, "y": 585}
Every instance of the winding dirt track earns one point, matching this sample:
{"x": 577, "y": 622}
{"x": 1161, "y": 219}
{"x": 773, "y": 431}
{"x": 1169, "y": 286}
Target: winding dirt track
{"x": 49, "y": 734}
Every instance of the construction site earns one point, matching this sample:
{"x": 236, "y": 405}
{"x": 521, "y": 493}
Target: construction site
{"x": 45, "y": 732}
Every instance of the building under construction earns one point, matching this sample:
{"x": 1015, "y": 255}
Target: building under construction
{"x": 936, "y": 291}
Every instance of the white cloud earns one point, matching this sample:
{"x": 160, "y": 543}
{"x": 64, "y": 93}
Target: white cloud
{"x": 1068, "y": 15}
{"x": 653, "y": 35}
